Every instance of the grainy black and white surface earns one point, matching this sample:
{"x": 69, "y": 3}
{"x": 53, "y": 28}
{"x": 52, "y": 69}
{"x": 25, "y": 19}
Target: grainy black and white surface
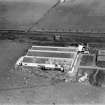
{"x": 29, "y": 15}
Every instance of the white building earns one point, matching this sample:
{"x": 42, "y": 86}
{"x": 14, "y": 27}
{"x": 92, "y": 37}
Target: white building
{"x": 50, "y": 57}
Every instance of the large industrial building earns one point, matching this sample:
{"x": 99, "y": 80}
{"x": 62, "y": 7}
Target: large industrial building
{"x": 49, "y": 57}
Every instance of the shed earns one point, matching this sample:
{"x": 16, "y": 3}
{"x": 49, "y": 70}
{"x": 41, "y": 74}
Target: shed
{"x": 100, "y": 61}
{"x": 101, "y": 52}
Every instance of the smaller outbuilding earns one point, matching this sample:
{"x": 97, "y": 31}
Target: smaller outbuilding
{"x": 100, "y": 61}
{"x": 101, "y": 52}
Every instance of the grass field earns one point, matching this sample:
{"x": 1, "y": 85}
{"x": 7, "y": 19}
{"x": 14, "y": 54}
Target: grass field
{"x": 76, "y": 15}
{"x": 87, "y": 60}
{"x": 10, "y": 51}
{"x": 23, "y": 14}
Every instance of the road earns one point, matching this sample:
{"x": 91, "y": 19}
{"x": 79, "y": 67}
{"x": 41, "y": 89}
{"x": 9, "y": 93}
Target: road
{"x": 92, "y": 67}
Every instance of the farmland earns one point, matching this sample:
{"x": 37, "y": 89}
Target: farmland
{"x": 22, "y": 15}
{"x": 8, "y": 57}
{"x": 75, "y": 16}
{"x": 87, "y": 60}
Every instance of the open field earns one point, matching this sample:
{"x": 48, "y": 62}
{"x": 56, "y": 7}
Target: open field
{"x": 75, "y": 15}
{"x": 22, "y": 15}
{"x": 10, "y": 51}
{"x": 87, "y": 60}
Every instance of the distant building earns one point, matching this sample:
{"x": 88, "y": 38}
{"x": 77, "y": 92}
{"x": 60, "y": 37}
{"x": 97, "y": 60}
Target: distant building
{"x": 80, "y": 47}
{"x": 63, "y": 58}
{"x": 101, "y": 52}
{"x": 100, "y": 58}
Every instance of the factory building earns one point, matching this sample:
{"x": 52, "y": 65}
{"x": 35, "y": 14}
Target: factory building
{"x": 48, "y": 57}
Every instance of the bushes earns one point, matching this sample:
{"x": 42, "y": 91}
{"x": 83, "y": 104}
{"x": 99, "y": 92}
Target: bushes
{"x": 87, "y": 60}
{"x": 97, "y": 80}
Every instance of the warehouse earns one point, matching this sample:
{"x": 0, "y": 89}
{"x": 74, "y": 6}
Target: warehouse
{"x": 62, "y": 58}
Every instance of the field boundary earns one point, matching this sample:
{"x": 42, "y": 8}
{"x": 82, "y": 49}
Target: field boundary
{"x": 55, "y": 37}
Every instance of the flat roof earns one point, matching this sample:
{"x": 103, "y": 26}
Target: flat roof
{"x": 55, "y": 47}
{"x": 101, "y": 58}
{"x": 51, "y": 48}
{"x": 101, "y": 52}
{"x": 51, "y": 54}
{"x": 44, "y": 60}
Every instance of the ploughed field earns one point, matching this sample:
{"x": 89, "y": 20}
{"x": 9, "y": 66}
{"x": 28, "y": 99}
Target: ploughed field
{"x": 75, "y": 15}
